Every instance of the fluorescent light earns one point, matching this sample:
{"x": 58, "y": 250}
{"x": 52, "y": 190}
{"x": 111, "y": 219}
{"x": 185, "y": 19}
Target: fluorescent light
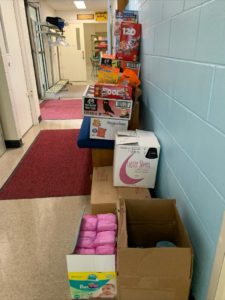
{"x": 80, "y": 4}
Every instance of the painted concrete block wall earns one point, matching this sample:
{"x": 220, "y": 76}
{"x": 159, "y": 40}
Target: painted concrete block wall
{"x": 183, "y": 81}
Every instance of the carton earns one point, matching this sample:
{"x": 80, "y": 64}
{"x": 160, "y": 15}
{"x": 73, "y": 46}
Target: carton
{"x": 103, "y": 194}
{"x": 136, "y": 157}
{"x": 88, "y": 274}
{"x": 105, "y": 107}
{"x": 105, "y": 129}
{"x": 105, "y": 197}
{"x": 148, "y": 272}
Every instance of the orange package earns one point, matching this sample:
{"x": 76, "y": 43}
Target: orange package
{"x": 129, "y": 77}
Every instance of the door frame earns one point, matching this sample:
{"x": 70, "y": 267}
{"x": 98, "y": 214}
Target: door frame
{"x": 36, "y": 61}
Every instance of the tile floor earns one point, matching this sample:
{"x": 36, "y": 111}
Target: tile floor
{"x": 36, "y": 234}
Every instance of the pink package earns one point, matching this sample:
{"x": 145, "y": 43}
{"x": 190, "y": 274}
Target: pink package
{"x": 110, "y": 218}
{"x": 89, "y": 223}
{"x": 84, "y": 251}
{"x": 87, "y": 234}
{"x": 105, "y": 237}
{"x": 105, "y": 249}
{"x": 106, "y": 226}
{"x": 85, "y": 242}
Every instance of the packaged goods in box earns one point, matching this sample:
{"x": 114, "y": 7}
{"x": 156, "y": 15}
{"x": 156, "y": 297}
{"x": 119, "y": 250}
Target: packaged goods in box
{"x": 91, "y": 269}
{"x": 113, "y": 91}
{"x": 136, "y": 157}
{"x": 132, "y": 65}
{"x": 130, "y": 35}
{"x": 105, "y": 107}
{"x": 106, "y": 129}
{"x": 146, "y": 270}
{"x": 109, "y": 60}
{"x": 122, "y": 16}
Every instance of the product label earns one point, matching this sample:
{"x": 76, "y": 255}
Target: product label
{"x": 84, "y": 285}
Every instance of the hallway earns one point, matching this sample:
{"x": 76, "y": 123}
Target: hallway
{"x": 36, "y": 234}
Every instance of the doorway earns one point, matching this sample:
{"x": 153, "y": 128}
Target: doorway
{"x": 37, "y": 47}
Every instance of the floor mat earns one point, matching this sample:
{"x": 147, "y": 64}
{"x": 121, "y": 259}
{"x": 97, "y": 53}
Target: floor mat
{"x": 53, "y": 166}
{"x": 61, "y": 109}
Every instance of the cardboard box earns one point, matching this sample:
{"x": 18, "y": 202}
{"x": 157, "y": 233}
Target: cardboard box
{"x": 105, "y": 197}
{"x": 88, "y": 274}
{"x": 105, "y": 107}
{"x": 148, "y": 272}
{"x": 106, "y": 129}
{"x": 136, "y": 157}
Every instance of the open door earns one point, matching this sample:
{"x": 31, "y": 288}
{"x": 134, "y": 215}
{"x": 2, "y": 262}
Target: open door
{"x": 72, "y": 58}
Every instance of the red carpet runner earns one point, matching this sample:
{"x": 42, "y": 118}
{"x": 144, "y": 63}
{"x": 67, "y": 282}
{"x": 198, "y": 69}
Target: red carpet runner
{"x": 61, "y": 109}
{"x": 53, "y": 166}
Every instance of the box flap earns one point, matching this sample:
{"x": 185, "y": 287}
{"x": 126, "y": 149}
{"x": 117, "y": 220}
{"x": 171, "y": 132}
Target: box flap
{"x": 127, "y": 133}
{"x": 147, "y": 138}
{"x": 162, "y": 262}
{"x": 126, "y": 140}
{"x": 90, "y": 263}
{"x": 133, "y": 193}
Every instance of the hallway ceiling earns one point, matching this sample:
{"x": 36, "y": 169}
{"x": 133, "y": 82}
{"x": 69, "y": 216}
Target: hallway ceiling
{"x": 67, "y": 5}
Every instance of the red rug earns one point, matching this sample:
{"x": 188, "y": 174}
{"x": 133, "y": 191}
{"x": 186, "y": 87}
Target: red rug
{"x": 53, "y": 166}
{"x": 61, "y": 109}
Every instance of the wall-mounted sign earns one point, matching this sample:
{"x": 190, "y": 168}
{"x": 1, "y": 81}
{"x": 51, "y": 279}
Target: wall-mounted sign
{"x": 101, "y": 16}
{"x": 85, "y": 16}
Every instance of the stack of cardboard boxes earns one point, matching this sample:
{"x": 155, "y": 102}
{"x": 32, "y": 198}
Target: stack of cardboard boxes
{"x": 154, "y": 254}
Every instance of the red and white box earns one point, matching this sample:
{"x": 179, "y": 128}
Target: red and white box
{"x": 113, "y": 91}
{"x": 130, "y": 35}
{"x": 136, "y": 157}
{"x": 106, "y": 107}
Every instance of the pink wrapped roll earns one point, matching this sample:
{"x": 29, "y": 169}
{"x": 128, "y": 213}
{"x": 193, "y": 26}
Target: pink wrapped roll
{"x": 105, "y": 237}
{"x": 110, "y": 218}
{"x": 105, "y": 249}
{"x": 106, "y": 226}
{"x": 87, "y": 234}
{"x": 85, "y": 242}
{"x": 89, "y": 223}
{"x": 84, "y": 251}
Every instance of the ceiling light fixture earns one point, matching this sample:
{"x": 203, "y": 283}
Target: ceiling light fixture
{"x": 79, "y": 4}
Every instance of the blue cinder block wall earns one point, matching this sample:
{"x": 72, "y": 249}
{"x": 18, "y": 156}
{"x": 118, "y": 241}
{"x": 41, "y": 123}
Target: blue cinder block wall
{"x": 183, "y": 81}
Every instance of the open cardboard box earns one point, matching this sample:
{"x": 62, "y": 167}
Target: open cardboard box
{"x": 89, "y": 275}
{"x": 148, "y": 272}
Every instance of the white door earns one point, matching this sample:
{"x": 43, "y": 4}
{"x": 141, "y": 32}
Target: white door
{"x": 72, "y": 58}
{"x": 13, "y": 62}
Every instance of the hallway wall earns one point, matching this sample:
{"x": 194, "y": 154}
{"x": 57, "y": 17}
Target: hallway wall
{"x": 183, "y": 75}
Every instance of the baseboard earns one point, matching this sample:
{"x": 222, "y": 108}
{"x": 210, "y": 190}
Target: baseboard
{"x": 13, "y": 143}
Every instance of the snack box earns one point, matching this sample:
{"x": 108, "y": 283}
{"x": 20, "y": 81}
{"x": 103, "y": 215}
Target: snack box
{"x": 112, "y": 91}
{"x": 105, "y": 107}
{"x": 130, "y": 35}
